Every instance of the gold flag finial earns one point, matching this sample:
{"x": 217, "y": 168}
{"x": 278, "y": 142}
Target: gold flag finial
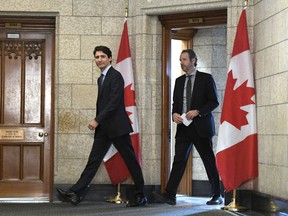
{"x": 246, "y": 3}
{"x": 126, "y": 12}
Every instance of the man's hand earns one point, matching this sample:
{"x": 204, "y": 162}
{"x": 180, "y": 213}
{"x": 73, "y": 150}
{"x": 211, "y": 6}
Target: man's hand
{"x": 177, "y": 118}
{"x": 192, "y": 114}
{"x": 93, "y": 124}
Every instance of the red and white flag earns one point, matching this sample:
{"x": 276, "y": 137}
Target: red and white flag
{"x": 114, "y": 163}
{"x": 237, "y": 148}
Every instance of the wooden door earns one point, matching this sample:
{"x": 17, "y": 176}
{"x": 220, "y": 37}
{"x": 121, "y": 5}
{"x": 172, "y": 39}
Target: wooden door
{"x": 26, "y": 113}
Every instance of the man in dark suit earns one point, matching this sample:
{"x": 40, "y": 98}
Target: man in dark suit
{"x": 111, "y": 125}
{"x": 195, "y": 96}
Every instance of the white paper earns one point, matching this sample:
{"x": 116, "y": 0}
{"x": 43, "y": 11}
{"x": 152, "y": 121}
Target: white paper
{"x": 186, "y": 121}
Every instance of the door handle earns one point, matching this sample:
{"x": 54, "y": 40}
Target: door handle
{"x": 40, "y": 134}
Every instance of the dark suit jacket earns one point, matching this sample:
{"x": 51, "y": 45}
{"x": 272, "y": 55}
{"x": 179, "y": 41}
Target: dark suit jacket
{"x": 111, "y": 114}
{"x": 204, "y": 99}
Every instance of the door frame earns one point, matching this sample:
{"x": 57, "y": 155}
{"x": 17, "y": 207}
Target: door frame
{"x": 169, "y": 23}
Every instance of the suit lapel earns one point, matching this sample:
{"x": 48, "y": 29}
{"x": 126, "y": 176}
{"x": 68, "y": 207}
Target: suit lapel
{"x": 179, "y": 92}
{"x": 197, "y": 83}
{"x": 106, "y": 80}
{"x": 182, "y": 84}
{"x": 194, "y": 90}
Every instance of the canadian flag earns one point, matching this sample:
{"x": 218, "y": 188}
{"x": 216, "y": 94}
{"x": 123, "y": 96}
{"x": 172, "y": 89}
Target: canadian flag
{"x": 237, "y": 148}
{"x": 114, "y": 163}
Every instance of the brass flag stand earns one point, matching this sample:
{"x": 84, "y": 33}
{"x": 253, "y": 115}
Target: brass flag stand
{"x": 233, "y": 205}
{"x": 117, "y": 199}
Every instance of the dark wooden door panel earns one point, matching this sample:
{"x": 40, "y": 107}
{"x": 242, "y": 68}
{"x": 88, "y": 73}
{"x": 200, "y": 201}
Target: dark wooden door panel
{"x": 22, "y": 77}
{"x": 12, "y": 88}
{"x": 22, "y": 162}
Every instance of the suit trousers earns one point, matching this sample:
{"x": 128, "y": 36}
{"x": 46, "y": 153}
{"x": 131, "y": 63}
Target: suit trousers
{"x": 185, "y": 137}
{"x": 99, "y": 149}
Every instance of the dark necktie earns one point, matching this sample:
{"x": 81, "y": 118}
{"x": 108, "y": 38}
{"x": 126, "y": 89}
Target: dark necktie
{"x": 100, "y": 81}
{"x": 188, "y": 93}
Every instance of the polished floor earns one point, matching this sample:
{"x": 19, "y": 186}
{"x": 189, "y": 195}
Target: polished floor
{"x": 185, "y": 206}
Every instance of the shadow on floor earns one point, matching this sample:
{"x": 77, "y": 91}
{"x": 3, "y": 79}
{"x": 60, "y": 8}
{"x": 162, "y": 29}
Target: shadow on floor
{"x": 185, "y": 206}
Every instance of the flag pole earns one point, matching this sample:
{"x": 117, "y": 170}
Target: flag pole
{"x": 117, "y": 199}
{"x": 233, "y": 206}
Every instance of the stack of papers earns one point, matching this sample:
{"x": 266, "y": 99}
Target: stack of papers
{"x": 186, "y": 121}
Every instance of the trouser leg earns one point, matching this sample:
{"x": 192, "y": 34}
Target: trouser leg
{"x": 100, "y": 147}
{"x": 205, "y": 150}
{"x": 124, "y": 146}
{"x": 182, "y": 150}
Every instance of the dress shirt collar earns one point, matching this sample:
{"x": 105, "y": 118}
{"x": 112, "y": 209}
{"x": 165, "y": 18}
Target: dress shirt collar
{"x": 193, "y": 72}
{"x": 104, "y": 72}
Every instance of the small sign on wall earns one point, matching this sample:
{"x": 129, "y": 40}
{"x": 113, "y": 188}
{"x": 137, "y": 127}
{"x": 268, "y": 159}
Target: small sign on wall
{"x": 13, "y": 36}
{"x": 11, "y": 134}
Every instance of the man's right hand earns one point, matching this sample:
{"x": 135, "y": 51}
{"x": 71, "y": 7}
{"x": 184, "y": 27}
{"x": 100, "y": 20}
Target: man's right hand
{"x": 177, "y": 118}
{"x": 93, "y": 124}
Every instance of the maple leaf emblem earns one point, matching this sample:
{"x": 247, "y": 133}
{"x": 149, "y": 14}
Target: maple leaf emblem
{"x": 129, "y": 113}
{"x": 129, "y": 99}
{"x": 129, "y": 96}
{"x": 234, "y": 100}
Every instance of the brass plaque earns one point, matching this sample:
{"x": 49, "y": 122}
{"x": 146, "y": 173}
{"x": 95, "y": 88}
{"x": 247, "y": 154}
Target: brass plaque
{"x": 196, "y": 20}
{"x": 13, "y": 25}
{"x": 12, "y": 134}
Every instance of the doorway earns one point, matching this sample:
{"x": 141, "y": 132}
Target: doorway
{"x": 26, "y": 108}
{"x": 180, "y": 27}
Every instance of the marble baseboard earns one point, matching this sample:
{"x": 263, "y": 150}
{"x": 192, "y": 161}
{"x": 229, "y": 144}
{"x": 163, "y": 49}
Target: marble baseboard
{"x": 258, "y": 201}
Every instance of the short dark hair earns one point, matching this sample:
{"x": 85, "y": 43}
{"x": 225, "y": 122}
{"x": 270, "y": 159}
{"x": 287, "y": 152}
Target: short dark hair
{"x": 191, "y": 54}
{"x": 104, "y": 49}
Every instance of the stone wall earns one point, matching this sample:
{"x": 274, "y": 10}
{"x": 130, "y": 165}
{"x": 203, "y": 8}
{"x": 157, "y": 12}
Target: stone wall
{"x": 271, "y": 73}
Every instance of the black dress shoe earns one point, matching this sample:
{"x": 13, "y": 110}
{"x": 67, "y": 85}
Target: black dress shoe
{"x": 138, "y": 201}
{"x": 165, "y": 198}
{"x": 215, "y": 200}
{"x": 70, "y": 196}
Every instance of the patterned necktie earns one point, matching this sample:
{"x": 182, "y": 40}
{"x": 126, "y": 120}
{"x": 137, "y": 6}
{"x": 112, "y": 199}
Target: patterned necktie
{"x": 188, "y": 93}
{"x": 100, "y": 81}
